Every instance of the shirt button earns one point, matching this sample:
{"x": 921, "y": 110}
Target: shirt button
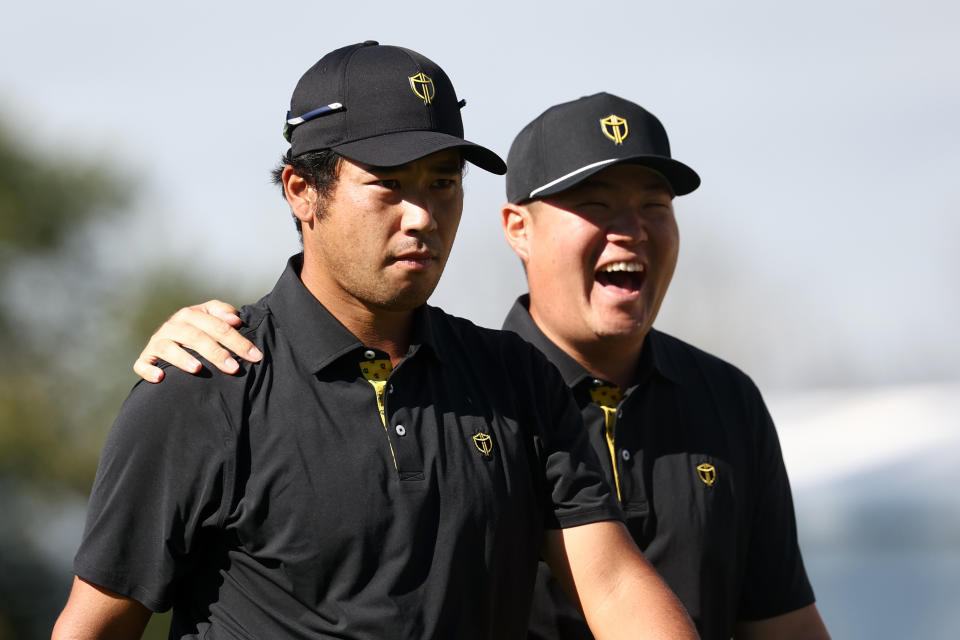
{"x": 401, "y": 430}
{"x": 597, "y": 382}
{"x": 390, "y": 389}
{"x": 625, "y": 455}
{"x": 369, "y": 354}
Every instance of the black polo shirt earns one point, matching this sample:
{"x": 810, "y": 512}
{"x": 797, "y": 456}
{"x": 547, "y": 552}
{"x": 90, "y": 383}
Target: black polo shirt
{"x": 277, "y": 503}
{"x": 701, "y": 479}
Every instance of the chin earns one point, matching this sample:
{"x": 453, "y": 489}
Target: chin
{"x": 628, "y": 327}
{"x": 407, "y": 300}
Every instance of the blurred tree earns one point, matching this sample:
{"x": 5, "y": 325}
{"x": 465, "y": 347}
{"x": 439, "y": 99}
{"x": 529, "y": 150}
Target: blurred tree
{"x": 68, "y": 334}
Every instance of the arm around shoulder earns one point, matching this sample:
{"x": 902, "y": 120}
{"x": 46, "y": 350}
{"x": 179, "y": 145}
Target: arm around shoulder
{"x": 92, "y": 613}
{"x": 621, "y": 595}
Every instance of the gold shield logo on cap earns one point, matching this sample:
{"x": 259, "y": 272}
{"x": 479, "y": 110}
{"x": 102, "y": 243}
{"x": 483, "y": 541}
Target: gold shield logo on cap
{"x": 707, "y": 473}
{"x": 484, "y": 443}
{"x": 615, "y": 128}
{"x": 422, "y": 85}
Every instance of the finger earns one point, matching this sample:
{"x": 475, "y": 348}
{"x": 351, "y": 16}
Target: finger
{"x": 147, "y": 371}
{"x": 223, "y": 310}
{"x": 173, "y": 338}
{"x": 216, "y": 329}
{"x": 160, "y": 349}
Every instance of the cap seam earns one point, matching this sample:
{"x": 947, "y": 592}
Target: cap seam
{"x": 345, "y": 84}
{"x": 600, "y": 163}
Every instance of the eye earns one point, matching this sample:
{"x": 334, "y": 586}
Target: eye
{"x": 658, "y": 207}
{"x": 444, "y": 183}
{"x": 389, "y": 183}
{"x": 593, "y": 205}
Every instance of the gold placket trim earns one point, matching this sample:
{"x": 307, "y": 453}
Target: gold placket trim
{"x": 608, "y": 398}
{"x": 376, "y": 373}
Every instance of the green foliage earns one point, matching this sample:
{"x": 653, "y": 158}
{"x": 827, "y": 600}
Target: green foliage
{"x": 44, "y": 200}
{"x": 64, "y": 370}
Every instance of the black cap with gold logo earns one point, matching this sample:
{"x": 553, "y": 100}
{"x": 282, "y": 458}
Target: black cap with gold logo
{"x": 380, "y": 105}
{"x": 570, "y": 142}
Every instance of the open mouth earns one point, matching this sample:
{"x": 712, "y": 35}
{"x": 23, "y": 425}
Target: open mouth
{"x": 628, "y": 276}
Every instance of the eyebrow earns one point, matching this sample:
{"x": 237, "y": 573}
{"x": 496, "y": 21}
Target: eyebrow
{"x": 447, "y": 167}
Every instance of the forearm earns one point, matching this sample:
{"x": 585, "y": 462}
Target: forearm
{"x": 635, "y": 596}
{"x": 620, "y": 594}
{"x": 93, "y": 613}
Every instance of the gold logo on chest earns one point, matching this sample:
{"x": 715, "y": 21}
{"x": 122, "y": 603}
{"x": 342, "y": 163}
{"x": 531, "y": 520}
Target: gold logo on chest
{"x": 484, "y": 443}
{"x": 707, "y": 473}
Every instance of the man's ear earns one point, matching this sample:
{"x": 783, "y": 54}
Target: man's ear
{"x": 516, "y": 222}
{"x": 301, "y": 197}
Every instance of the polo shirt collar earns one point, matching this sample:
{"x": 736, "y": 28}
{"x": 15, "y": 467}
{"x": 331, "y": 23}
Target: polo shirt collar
{"x": 652, "y": 358}
{"x": 317, "y": 337}
{"x": 660, "y": 357}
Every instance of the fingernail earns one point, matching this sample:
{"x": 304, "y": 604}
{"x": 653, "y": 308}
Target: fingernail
{"x": 195, "y": 365}
{"x": 254, "y": 353}
{"x": 231, "y": 364}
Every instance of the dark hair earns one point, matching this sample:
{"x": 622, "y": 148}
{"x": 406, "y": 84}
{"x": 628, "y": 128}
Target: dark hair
{"x": 318, "y": 168}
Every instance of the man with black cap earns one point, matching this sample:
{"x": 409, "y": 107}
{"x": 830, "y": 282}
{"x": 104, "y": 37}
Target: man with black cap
{"x": 385, "y": 470}
{"x": 685, "y": 439}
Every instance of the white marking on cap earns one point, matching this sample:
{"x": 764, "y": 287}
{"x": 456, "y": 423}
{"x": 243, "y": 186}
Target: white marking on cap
{"x": 571, "y": 174}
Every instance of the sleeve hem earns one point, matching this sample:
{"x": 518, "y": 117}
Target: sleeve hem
{"x": 599, "y": 514}
{"x": 120, "y": 586}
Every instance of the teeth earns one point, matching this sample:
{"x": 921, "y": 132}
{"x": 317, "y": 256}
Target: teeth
{"x": 623, "y": 266}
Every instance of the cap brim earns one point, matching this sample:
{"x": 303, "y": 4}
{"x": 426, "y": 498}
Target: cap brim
{"x": 682, "y": 178}
{"x": 401, "y": 147}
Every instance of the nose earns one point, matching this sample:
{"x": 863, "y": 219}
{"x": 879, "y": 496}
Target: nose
{"x": 629, "y": 227}
{"x": 417, "y": 218}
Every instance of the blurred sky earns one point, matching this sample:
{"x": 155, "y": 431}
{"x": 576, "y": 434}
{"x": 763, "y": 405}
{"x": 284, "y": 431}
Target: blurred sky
{"x": 819, "y": 250}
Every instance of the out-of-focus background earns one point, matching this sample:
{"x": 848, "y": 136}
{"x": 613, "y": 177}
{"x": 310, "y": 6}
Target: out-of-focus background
{"x": 819, "y": 254}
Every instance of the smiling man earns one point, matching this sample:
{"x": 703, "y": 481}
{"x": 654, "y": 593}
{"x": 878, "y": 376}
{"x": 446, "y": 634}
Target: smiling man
{"x": 385, "y": 470}
{"x": 685, "y": 440}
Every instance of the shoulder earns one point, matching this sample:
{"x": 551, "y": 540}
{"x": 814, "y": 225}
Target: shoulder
{"x": 183, "y": 408}
{"x": 460, "y": 333}
{"x": 257, "y": 319}
{"x": 712, "y": 387}
{"x": 497, "y": 354}
{"x": 210, "y": 397}
{"x": 691, "y": 364}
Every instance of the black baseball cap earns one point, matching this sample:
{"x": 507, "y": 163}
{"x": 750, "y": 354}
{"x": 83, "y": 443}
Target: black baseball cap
{"x": 380, "y": 105}
{"x": 570, "y": 142}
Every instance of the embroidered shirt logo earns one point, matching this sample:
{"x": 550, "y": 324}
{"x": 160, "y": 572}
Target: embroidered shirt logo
{"x": 422, "y": 85}
{"x": 484, "y": 443}
{"x": 707, "y": 473}
{"x": 615, "y": 128}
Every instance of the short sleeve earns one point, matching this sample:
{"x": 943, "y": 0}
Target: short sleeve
{"x": 578, "y": 493}
{"x": 775, "y": 581}
{"x": 163, "y": 480}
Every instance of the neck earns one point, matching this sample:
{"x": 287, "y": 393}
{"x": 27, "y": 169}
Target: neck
{"x": 387, "y": 331}
{"x": 609, "y": 360}
{"x": 612, "y": 358}
{"x": 383, "y": 329}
